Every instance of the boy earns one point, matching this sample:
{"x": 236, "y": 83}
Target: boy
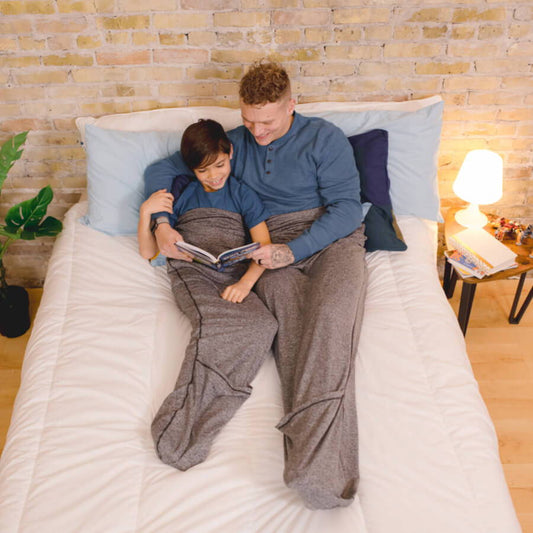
{"x": 223, "y": 355}
{"x": 207, "y": 151}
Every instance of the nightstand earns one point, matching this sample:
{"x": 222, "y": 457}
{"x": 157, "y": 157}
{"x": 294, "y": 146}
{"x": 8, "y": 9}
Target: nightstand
{"x": 524, "y": 265}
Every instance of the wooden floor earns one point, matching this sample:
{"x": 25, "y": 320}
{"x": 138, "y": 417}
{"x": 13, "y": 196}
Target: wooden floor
{"x": 502, "y": 359}
{"x": 11, "y": 355}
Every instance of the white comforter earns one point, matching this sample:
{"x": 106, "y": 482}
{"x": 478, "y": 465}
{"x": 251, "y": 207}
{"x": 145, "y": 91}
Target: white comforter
{"x": 105, "y": 350}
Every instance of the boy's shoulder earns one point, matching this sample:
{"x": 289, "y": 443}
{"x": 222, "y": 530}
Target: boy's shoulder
{"x": 237, "y": 186}
{"x": 233, "y": 186}
{"x": 243, "y": 195}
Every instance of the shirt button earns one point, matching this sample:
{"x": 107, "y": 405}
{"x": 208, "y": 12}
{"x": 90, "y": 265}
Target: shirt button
{"x": 270, "y": 148}
{"x": 269, "y": 160}
{"x": 268, "y": 171}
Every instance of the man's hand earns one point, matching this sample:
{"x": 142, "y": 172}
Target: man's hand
{"x": 273, "y": 256}
{"x": 166, "y": 236}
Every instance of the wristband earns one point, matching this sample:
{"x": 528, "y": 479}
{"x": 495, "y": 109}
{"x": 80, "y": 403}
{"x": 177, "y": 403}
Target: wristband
{"x": 158, "y": 221}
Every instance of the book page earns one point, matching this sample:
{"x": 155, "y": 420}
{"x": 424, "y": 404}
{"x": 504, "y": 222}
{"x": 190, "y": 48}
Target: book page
{"x": 195, "y": 251}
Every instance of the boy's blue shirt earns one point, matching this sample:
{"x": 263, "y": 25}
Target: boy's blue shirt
{"x": 235, "y": 196}
{"x": 312, "y": 165}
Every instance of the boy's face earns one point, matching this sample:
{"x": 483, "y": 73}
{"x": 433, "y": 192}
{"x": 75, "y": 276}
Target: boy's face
{"x": 213, "y": 176}
{"x": 270, "y": 121}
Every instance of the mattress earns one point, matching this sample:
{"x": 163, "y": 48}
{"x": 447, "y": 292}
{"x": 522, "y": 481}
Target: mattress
{"x": 106, "y": 348}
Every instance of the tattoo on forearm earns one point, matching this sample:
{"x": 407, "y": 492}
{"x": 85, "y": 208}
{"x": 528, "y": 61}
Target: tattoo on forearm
{"x": 281, "y": 256}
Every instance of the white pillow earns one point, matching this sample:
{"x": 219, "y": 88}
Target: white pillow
{"x": 119, "y": 148}
{"x": 180, "y": 117}
{"x": 172, "y": 119}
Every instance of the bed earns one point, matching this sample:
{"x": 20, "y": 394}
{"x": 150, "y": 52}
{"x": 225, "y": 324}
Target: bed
{"x": 108, "y": 341}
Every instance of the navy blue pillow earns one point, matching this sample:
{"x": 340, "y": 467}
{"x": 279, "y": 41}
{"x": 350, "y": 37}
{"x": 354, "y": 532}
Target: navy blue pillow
{"x": 382, "y": 231}
{"x": 371, "y": 151}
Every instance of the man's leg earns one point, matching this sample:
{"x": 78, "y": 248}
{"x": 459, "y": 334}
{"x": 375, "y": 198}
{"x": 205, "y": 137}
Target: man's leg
{"x": 319, "y": 310}
{"x": 227, "y": 347}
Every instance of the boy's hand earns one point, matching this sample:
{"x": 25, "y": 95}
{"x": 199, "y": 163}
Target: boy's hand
{"x": 166, "y": 236}
{"x": 237, "y": 292}
{"x": 158, "y": 201}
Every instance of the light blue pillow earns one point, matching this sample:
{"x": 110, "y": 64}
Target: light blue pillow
{"x": 413, "y": 147}
{"x": 116, "y": 161}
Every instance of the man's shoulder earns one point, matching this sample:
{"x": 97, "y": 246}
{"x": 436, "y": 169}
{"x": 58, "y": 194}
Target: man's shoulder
{"x": 321, "y": 132}
{"x": 237, "y": 134}
{"x": 319, "y": 125}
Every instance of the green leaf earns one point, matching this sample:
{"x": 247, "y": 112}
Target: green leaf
{"x": 10, "y": 151}
{"x": 10, "y": 232}
{"x": 50, "y": 227}
{"x": 30, "y": 212}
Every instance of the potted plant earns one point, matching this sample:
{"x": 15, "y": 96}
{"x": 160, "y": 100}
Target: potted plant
{"x": 25, "y": 220}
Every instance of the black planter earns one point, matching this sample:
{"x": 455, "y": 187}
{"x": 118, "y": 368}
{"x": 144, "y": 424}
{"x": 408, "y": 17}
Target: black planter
{"x": 14, "y": 311}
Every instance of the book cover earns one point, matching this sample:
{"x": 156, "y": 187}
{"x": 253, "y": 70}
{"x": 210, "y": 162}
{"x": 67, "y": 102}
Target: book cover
{"x": 484, "y": 250}
{"x": 220, "y": 262}
{"x": 463, "y": 265}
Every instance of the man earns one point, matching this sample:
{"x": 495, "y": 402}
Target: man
{"x": 304, "y": 171}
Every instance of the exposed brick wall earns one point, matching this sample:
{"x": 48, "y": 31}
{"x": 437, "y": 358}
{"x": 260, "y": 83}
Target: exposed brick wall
{"x": 64, "y": 58}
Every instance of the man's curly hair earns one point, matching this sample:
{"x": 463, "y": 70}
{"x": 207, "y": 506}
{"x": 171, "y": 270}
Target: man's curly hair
{"x": 265, "y": 82}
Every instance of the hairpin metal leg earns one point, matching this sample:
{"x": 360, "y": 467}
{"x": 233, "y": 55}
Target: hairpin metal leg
{"x": 467, "y": 298}
{"x": 450, "y": 279}
{"x": 515, "y": 319}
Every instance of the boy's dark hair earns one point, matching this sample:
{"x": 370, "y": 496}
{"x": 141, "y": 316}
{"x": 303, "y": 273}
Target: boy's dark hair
{"x": 202, "y": 142}
{"x": 265, "y": 82}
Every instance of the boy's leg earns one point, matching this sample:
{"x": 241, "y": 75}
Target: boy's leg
{"x": 319, "y": 311}
{"x": 227, "y": 347}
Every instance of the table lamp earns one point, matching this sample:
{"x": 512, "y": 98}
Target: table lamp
{"x": 479, "y": 181}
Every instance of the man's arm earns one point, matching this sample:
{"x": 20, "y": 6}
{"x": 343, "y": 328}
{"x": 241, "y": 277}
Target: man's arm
{"x": 161, "y": 174}
{"x": 169, "y": 174}
{"x": 160, "y": 200}
{"x": 339, "y": 188}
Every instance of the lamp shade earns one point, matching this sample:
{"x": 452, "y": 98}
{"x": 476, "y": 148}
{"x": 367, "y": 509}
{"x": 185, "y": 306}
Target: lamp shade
{"x": 480, "y": 178}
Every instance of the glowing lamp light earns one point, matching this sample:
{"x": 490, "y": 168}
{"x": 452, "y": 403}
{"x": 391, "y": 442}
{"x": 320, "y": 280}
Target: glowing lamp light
{"x": 479, "y": 181}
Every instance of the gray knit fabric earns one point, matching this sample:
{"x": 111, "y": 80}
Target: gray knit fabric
{"x": 228, "y": 343}
{"x": 318, "y": 305}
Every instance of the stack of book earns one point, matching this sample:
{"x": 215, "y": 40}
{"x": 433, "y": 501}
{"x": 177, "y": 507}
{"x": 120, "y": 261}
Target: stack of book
{"x": 477, "y": 253}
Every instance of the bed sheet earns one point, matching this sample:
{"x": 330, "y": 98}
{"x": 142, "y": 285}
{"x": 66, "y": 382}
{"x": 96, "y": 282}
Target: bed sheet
{"x": 105, "y": 350}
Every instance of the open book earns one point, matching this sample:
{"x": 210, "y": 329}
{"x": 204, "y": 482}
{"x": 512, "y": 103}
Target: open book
{"x": 224, "y": 260}
{"x": 484, "y": 250}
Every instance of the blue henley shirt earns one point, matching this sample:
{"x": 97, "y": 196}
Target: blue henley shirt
{"x": 312, "y": 165}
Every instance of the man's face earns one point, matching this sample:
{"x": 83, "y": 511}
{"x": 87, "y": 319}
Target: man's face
{"x": 268, "y": 122}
